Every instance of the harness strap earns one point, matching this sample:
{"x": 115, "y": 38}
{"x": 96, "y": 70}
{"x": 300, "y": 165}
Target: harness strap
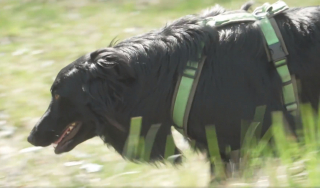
{"x": 223, "y": 19}
{"x": 184, "y": 93}
{"x": 270, "y": 10}
{"x": 278, "y": 52}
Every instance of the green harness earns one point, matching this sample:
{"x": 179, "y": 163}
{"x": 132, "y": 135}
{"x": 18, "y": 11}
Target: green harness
{"x": 275, "y": 48}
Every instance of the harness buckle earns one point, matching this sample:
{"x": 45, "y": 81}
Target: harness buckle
{"x": 276, "y": 51}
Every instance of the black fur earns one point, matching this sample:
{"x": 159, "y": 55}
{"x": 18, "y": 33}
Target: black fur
{"x": 137, "y": 77}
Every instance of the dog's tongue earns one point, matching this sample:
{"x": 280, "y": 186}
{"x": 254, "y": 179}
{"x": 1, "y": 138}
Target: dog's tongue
{"x": 59, "y": 144}
{"x": 61, "y": 137}
{"x": 63, "y": 141}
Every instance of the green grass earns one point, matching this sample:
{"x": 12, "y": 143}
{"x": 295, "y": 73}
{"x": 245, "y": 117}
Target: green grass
{"x": 39, "y": 37}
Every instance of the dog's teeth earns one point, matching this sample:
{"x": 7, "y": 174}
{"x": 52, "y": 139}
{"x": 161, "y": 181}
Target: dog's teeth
{"x": 68, "y": 132}
{"x": 70, "y": 128}
{"x": 73, "y": 124}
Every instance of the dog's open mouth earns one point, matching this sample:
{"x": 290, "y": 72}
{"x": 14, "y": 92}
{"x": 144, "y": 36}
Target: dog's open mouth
{"x": 61, "y": 144}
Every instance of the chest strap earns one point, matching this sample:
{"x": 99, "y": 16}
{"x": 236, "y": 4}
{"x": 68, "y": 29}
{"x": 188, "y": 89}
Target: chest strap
{"x": 275, "y": 48}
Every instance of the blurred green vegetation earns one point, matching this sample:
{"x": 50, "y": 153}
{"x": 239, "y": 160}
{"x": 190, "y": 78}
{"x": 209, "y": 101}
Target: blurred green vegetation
{"x": 39, "y": 37}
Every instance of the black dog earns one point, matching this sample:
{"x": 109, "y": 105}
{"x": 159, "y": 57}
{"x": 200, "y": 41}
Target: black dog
{"x": 98, "y": 94}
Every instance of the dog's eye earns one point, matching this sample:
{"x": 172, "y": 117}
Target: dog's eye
{"x": 56, "y": 96}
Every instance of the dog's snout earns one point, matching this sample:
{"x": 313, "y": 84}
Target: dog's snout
{"x": 40, "y": 138}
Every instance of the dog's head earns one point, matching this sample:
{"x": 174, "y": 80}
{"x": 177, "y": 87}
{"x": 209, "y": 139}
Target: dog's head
{"x": 82, "y": 94}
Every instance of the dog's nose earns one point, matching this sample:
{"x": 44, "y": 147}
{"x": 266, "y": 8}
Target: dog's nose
{"x": 40, "y": 138}
{"x": 31, "y": 139}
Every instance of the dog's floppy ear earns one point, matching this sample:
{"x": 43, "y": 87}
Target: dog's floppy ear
{"x": 109, "y": 62}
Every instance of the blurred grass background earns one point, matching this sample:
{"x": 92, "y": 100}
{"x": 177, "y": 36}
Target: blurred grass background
{"x": 39, "y": 37}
